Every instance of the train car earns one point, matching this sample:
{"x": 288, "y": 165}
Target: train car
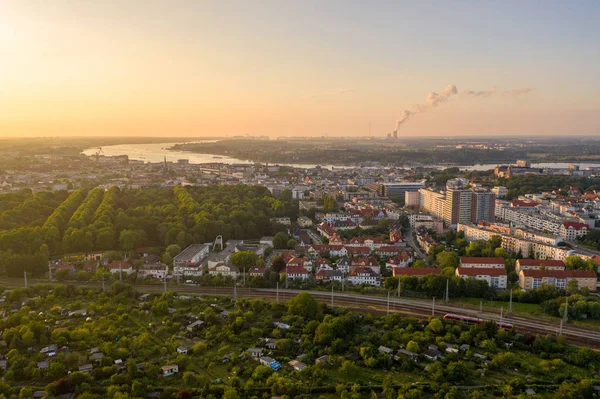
{"x": 504, "y": 326}
{"x": 463, "y": 319}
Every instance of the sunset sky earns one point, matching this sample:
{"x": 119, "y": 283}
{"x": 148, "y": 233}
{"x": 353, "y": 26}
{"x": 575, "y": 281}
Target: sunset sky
{"x": 297, "y": 68}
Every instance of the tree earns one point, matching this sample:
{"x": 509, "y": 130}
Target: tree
{"x": 304, "y": 305}
{"x": 412, "y": 346}
{"x": 278, "y": 264}
{"x": 173, "y": 250}
{"x": 280, "y": 240}
{"x": 131, "y": 239}
{"x": 419, "y": 264}
{"x": 448, "y": 259}
{"x": 244, "y": 260}
{"x": 436, "y": 325}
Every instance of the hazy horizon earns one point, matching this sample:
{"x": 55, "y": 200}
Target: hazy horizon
{"x": 216, "y": 69}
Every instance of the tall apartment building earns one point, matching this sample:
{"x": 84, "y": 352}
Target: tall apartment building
{"x": 396, "y": 190}
{"x": 432, "y": 202}
{"x": 483, "y": 206}
{"x": 457, "y": 208}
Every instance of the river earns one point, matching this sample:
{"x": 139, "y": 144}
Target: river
{"x": 157, "y": 152}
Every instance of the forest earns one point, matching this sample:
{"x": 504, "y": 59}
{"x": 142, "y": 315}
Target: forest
{"x": 37, "y": 226}
{"x": 67, "y": 340}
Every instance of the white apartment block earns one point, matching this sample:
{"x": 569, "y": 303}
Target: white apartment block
{"x": 495, "y": 277}
{"x": 540, "y": 250}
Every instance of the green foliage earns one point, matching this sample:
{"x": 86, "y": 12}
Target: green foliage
{"x": 244, "y": 260}
{"x": 304, "y": 305}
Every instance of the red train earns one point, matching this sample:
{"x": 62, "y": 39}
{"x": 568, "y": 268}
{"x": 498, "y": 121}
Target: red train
{"x": 475, "y": 320}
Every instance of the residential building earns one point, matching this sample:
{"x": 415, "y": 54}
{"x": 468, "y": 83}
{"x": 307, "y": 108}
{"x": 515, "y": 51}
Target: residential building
{"x": 120, "y": 266}
{"x": 539, "y": 264}
{"x": 403, "y": 259}
{"x": 364, "y": 275}
{"x": 296, "y": 273}
{"x": 483, "y": 206}
{"x": 495, "y": 277}
{"x": 257, "y": 271}
{"x": 329, "y": 275}
{"x": 304, "y": 222}
{"x": 155, "y": 270}
{"x": 533, "y": 279}
{"x": 457, "y": 208}
{"x": 481, "y": 262}
{"x": 500, "y": 191}
{"x": 224, "y": 270}
{"x": 412, "y": 198}
{"x": 571, "y": 230}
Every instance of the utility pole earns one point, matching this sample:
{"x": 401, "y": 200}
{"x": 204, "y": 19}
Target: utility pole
{"x": 388, "y": 304}
{"x": 447, "y": 291}
{"x": 278, "y": 291}
{"x": 120, "y": 272}
{"x": 25, "y": 274}
{"x": 398, "y": 287}
{"x": 165, "y": 282}
{"x": 510, "y": 303}
{"x": 332, "y": 297}
{"x": 49, "y": 270}
{"x": 433, "y": 307}
{"x": 501, "y": 310}
{"x": 244, "y": 284}
{"x": 560, "y": 328}
{"x": 235, "y": 291}
{"x": 480, "y": 306}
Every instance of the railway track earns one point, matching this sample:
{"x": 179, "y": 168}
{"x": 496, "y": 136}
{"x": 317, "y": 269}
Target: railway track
{"x": 576, "y": 334}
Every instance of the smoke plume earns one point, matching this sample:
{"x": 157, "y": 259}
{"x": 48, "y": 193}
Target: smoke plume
{"x": 434, "y": 99}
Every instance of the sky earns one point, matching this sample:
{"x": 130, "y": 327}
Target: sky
{"x": 298, "y": 68}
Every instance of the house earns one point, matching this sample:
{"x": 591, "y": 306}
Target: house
{"x": 533, "y": 279}
{"x": 224, "y": 270}
{"x": 86, "y": 368}
{"x": 297, "y": 365}
{"x": 432, "y": 354}
{"x": 153, "y": 270}
{"x": 182, "y": 350}
{"x": 493, "y": 276}
{"x": 49, "y": 350}
{"x": 403, "y": 352}
{"x": 306, "y": 263}
{"x": 269, "y": 362}
{"x": 364, "y": 275}
{"x": 3, "y": 364}
{"x": 403, "y": 259}
{"x": 96, "y": 357}
{"x": 326, "y": 230}
{"x": 482, "y": 262}
{"x": 255, "y": 352}
{"x": 343, "y": 265}
{"x": 304, "y": 222}
{"x": 322, "y": 360}
{"x": 270, "y": 343}
{"x": 388, "y": 251}
{"x": 42, "y": 365}
{"x": 385, "y": 350}
{"x": 296, "y": 273}
{"x": 120, "y": 267}
{"x": 539, "y": 264}
{"x": 417, "y": 272}
{"x": 323, "y": 263}
{"x": 169, "y": 370}
{"x": 329, "y": 275}
{"x": 257, "y": 271}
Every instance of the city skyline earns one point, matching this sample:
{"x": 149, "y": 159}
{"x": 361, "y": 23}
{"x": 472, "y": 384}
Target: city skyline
{"x": 77, "y": 68}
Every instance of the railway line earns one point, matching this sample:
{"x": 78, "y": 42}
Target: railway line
{"x": 585, "y": 336}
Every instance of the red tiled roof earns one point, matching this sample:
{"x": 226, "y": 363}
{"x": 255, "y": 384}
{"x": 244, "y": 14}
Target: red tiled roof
{"x": 475, "y": 260}
{"x": 561, "y": 274}
{"x": 540, "y": 262}
{"x": 481, "y": 271}
{"x": 362, "y": 270}
{"x": 575, "y": 225}
{"x": 295, "y": 270}
{"x": 524, "y": 204}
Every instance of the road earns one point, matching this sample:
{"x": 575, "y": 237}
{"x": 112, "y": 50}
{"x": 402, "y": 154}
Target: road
{"x": 414, "y": 245}
{"x": 587, "y": 336}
